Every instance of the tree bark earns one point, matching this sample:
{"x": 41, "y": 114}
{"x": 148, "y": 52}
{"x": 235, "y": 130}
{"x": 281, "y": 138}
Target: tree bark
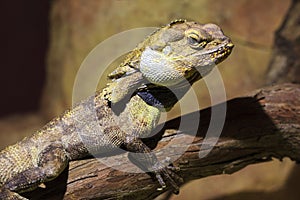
{"x": 258, "y": 127}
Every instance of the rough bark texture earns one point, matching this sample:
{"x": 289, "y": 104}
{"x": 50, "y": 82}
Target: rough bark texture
{"x": 285, "y": 62}
{"x": 258, "y": 127}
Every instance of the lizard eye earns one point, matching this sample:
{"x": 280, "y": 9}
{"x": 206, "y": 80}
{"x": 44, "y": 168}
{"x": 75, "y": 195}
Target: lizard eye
{"x": 194, "y": 40}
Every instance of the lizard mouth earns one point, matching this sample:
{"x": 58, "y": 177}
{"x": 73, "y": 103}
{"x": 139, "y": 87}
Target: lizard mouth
{"x": 219, "y": 54}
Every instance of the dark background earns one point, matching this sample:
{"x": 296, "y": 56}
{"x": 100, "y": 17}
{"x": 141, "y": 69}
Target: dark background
{"x": 24, "y": 41}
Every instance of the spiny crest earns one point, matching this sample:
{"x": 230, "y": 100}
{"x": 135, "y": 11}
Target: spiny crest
{"x": 177, "y": 21}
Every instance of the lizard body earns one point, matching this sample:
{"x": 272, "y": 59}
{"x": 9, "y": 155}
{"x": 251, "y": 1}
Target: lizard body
{"x": 152, "y": 78}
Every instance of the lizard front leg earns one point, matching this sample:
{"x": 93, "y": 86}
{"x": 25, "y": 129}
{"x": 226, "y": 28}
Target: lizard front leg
{"x": 51, "y": 162}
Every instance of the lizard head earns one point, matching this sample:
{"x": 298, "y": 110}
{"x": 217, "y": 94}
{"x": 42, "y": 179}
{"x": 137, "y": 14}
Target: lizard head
{"x": 182, "y": 51}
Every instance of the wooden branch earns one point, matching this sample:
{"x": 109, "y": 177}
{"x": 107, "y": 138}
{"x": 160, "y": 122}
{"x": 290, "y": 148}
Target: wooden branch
{"x": 258, "y": 127}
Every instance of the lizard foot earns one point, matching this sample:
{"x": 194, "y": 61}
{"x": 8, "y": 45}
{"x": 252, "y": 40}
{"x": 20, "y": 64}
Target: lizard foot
{"x": 168, "y": 173}
{"x": 148, "y": 162}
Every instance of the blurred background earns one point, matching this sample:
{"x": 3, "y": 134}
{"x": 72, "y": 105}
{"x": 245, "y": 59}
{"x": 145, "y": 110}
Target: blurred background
{"x": 43, "y": 43}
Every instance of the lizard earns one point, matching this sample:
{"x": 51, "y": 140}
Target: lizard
{"x": 151, "y": 79}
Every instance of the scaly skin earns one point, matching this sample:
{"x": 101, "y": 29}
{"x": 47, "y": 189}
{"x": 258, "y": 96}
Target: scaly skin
{"x": 152, "y": 78}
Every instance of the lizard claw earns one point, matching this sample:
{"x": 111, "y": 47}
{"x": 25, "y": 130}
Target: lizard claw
{"x": 170, "y": 176}
{"x": 161, "y": 182}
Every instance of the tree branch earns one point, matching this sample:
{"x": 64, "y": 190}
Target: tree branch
{"x": 258, "y": 127}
